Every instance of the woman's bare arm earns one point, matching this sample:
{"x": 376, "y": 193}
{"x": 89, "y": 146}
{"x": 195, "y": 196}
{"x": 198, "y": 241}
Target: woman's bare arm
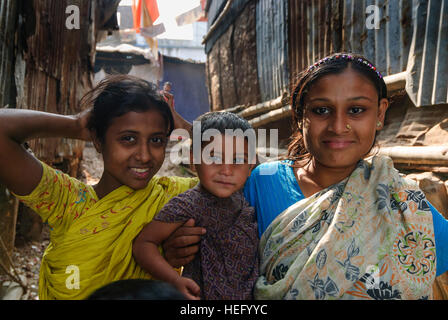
{"x": 21, "y": 172}
{"x": 179, "y": 122}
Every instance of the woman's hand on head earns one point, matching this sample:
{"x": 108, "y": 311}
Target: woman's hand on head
{"x": 180, "y": 248}
{"x": 82, "y": 119}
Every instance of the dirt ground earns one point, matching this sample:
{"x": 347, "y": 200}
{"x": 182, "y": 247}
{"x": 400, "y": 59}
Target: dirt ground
{"x": 27, "y": 254}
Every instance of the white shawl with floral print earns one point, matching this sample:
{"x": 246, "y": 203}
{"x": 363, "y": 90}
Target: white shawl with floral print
{"x": 370, "y": 236}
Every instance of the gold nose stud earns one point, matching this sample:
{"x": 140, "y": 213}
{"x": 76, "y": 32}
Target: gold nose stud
{"x": 349, "y": 127}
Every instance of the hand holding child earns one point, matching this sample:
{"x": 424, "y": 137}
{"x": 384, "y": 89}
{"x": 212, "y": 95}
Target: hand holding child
{"x": 181, "y": 246}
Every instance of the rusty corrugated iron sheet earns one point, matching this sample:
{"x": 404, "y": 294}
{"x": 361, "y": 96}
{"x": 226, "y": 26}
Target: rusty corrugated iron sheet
{"x": 427, "y": 77}
{"x": 46, "y": 66}
{"x": 57, "y": 66}
{"x": 8, "y": 24}
{"x": 272, "y": 47}
{"x": 318, "y": 28}
{"x": 214, "y": 10}
{"x": 231, "y": 68}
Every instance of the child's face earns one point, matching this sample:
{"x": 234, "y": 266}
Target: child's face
{"x": 133, "y": 150}
{"x": 226, "y": 178}
{"x": 331, "y": 104}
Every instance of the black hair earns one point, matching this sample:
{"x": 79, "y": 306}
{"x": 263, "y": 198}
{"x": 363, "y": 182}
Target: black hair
{"x": 222, "y": 121}
{"x": 333, "y": 64}
{"x": 137, "y": 289}
{"x": 117, "y": 95}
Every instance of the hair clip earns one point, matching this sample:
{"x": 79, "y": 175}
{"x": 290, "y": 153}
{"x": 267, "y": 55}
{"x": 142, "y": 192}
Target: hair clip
{"x": 345, "y": 57}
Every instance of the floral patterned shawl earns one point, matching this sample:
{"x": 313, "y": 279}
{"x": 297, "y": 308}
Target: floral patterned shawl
{"x": 368, "y": 237}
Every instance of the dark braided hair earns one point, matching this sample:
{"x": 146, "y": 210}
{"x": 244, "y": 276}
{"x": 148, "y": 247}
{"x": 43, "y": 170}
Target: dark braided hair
{"x": 334, "y": 64}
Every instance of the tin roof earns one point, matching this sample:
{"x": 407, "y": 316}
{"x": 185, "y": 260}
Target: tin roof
{"x": 410, "y": 36}
{"x": 404, "y": 36}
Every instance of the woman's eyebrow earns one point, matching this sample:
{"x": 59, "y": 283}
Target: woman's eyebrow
{"x": 319, "y": 99}
{"x": 360, "y": 98}
{"x": 349, "y": 99}
{"x": 127, "y": 131}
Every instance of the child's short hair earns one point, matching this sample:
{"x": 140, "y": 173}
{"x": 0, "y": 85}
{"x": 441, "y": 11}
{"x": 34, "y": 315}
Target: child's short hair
{"x": 137, "y": 289}
{"x": 222, "y": 121}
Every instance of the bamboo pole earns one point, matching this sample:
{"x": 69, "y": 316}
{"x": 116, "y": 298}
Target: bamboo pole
{"x": 396, "y": 81}
{"x": 427, "y": 155}
{"x": 262, "y": 107}
{"x": 218, "y": 21}
{"x": 16, "y": 276}
{"x": 271, "y": 116}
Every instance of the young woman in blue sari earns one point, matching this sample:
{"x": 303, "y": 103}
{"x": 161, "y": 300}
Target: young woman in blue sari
{"x": 343, "y": 224}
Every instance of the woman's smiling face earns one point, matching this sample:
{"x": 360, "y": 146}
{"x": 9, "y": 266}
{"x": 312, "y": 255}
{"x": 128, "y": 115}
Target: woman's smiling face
{"x": 133, "y": 149}
{"x": 340, "y": 119}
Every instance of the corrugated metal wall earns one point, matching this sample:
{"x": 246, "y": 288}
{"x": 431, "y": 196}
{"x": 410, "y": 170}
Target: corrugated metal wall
{"x": 8, "y": 25}
{"x": 318, "y": 28}
{"x": 272, "y": 47}
{"x": 231, "y": 68}
{"x": 215, "y": 9}
{"x": 427, "y": 78}
{"x": 8, "y": 209}
{"x": 188, "y": 86}
{"x": 57, "y": 66}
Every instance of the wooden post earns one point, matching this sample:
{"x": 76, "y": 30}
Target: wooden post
{"x": 8, "y": 219}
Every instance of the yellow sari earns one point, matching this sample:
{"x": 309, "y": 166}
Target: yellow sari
{"x": 91, "y": 239}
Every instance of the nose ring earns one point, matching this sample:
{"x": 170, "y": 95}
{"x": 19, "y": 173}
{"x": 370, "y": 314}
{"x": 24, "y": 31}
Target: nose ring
{"x": 349, "y": 127}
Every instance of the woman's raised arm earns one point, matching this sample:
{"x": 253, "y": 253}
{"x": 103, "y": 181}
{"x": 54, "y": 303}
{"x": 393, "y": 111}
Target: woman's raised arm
{"x": 20, "y": 171}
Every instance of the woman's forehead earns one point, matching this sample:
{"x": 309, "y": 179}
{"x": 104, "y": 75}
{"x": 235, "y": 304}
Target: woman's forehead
{"x": 348, "y": 85}
{"x": 147, "y": 121}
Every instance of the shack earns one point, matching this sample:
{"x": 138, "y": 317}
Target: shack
{"x": 188, "y": 86}
{"x": 263, "y": 45}
{"x": 256, "y": 48}
{"x": 126, "y": 59}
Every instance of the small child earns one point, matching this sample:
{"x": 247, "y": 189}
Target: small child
{"x": 226, "y": 266}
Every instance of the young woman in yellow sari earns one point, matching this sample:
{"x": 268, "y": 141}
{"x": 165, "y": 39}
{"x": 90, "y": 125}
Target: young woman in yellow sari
{"x": 92, "y": 227}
